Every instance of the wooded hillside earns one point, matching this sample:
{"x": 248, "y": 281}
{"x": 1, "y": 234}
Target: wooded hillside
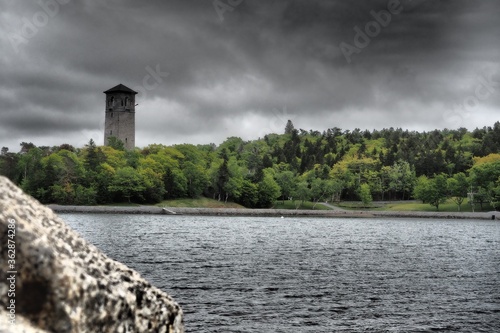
{"x": 388, "y": 164}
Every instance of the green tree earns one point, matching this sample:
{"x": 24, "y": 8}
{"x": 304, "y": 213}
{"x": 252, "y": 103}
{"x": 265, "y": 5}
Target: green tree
{"x": 175, "y": 183}
{"x": 321, "y": 190}
{"x": 52, "y": 167}
{"x": 232, "y": 188}
{"x": 127, "y": 183}
{"x": 373, "y": 179}
{"x": 73, "y": 170}
{"x": 115, "y": 158}
{"x": 365, "y": 194}
{"x": 153, "y": 185}
{"x": 268, "y": 191}
{"x": 102, "y": 182}
{"x": 63, "y": 194}
{"x": 481, "y": 196}
{"x": 422, "y": 189}
{"x": 116, "y": 143}
{"x": 385, "y": 178}
{"x": 484, "y": 176}
{"x": 286, "y": 181}
{"x": 133, "y": 158}
{"x": 31, "y": 170}
{"x": 93, "y": 156}
{"x": 85, "y": 195}
{"x": 222, "y": 176}
{"x": 62, "y": 168}
{"x": 433, "y": 191}
{"x": 249, "y": 194}
{"x": 493, "y": 196}
{"x": 402, "y": 178}
{"x": 458, "y": 186}
{"x": 301, "y": 193}
{"x": 8, "y": 164}
{"x": 70, "y": 194}
{"x": 196, "y": 177}
{"x": 343, "y": 176}
{"x": 337, "y": 187}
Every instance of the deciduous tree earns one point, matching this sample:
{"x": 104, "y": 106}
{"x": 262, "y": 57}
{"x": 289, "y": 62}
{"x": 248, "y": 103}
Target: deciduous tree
{"x": 127, "y": 183}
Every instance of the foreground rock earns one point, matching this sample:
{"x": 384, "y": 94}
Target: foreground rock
{"x": 61, "y": 283}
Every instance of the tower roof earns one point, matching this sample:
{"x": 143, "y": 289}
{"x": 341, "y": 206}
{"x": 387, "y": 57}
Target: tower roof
{"x": 120, "y": 88}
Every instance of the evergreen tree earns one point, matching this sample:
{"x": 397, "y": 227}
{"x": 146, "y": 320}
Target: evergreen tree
{"x": 289, "y": 127}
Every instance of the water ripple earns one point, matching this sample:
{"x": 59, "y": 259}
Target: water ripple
{"x": 313, "y": 275}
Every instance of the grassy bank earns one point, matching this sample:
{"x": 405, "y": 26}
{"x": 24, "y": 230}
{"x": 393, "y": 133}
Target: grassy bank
{"x": 198, "y": 203}
{"x": 448, "y": 206}
{"x": 211, "y": 203}
{"x": 307, "y": 205}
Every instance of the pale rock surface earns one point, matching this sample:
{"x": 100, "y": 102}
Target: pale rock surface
{"x": 66, "y": 285}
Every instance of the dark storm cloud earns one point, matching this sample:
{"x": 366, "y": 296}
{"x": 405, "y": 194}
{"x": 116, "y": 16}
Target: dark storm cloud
{"x": 234, "y": 72}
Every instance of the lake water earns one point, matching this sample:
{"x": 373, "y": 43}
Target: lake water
{"x": 242, "y": 274}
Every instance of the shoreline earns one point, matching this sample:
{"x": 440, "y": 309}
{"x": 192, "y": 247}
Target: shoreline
{"x": 271, "y": 212}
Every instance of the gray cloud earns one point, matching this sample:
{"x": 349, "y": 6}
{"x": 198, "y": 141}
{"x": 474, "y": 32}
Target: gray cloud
{"x": 235, "y": 77}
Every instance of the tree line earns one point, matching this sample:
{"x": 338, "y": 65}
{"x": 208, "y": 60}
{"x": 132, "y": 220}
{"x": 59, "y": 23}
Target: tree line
{"x": 298, "y": 165}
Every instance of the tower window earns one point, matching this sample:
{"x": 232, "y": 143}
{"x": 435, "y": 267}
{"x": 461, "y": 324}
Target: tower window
{"x": 127, "y": 102}
{"x": 126, "y": 140}
{"x": 111, "y": 132}
{"x": 112, "y": 101}
{"x": 121, "y": 102}
{"x": 111, "y": 114}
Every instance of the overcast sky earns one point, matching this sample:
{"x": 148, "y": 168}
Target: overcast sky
{"x": 207, "y": 70}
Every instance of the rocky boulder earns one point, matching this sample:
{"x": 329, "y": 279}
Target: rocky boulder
{"x": 52, "y": 280}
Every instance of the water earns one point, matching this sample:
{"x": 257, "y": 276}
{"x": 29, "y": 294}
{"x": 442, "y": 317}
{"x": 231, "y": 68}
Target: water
{"x": 246, "y": 274}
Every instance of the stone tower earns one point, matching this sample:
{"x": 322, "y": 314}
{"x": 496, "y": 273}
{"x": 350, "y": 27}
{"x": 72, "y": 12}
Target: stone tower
{"x": 120, "y": 115}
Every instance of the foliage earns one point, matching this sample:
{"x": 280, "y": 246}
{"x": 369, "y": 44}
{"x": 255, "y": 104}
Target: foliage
{"x": 365, "y": 194}
{"x": 458, "y": 186}
{"x": 286, "y": 181}
{"x": 484, "y": 179}
{"x": 301, "y": 193}
{"x": 127, "y": 182}
{"x": 116, "y": 143}
{"x": 268, "y": 191}
{"x": 333, "y": 165}
{"x": 196, "y": 178}
{"x": 432, "y": 190}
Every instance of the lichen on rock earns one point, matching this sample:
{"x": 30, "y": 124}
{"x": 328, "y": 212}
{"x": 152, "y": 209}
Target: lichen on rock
{"x": 63, "y": 284}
